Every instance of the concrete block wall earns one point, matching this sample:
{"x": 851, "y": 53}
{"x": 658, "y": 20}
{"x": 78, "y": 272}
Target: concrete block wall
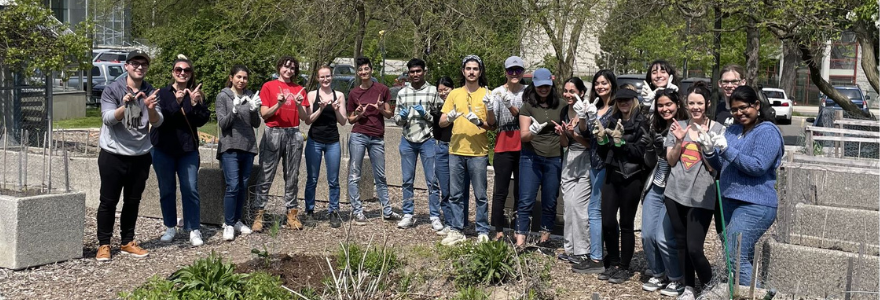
{"x": 41, "y": 229}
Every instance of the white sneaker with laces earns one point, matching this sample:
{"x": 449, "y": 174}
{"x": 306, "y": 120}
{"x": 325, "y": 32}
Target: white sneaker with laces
{"x": 443, "y": 231}
{"x": 436, "y": 224}
{"x": 406, "y": 222}
{"x": 195, "y": 237}
{"x": 452, "y": 238}
{"x": 688, "y": 294}
{"x": 170, "y": 232}
{"x": 482, "y": 238}
{"x": 240, "y": 227}
{"x": 228, "y": 232}
{"x": 655, "y": 283}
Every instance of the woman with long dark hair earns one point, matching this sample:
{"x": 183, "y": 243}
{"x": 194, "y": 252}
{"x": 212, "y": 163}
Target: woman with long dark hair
{"x": 657, "y": 233}
{"x": 690, "y": 190}
{"x": 176, "y": 149}
{"x": 540, "y": 163}
{"x": 238, "y": 114}
{"x": 661, "y": 75}
{"x": 575, "y": 184}
{"x": 748, "y": 154}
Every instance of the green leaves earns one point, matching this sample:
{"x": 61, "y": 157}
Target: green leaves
{"x": 485, "y": 263}
{"x": 33, "y": 39}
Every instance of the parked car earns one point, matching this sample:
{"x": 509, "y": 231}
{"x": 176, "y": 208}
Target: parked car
{"x": 686, "y": 83}
{"x": 102, "y": 73}
{"x": 853, "y": 93}
{"x": 782, "y": 105}
{"x": 111, "y": 56}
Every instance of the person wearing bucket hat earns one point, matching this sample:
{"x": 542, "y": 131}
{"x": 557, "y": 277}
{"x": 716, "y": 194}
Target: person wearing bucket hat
{"x": 622, "y": 146}
{"x": 506, "y": 101}
{"x": 541, "y": 159}
{"x": 468, "y": 148}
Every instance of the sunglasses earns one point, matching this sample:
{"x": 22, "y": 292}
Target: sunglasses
{"x": 137, "y": 65}
{"x": 515, "y": 71}
{"x": 183, "y": 70}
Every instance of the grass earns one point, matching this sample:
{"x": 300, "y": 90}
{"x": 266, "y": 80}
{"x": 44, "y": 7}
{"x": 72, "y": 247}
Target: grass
{"x": 91, "y": 120}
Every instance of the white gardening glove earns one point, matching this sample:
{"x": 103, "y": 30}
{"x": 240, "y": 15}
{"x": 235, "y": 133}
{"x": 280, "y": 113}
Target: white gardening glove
{"x": 647, "y": 93}
{"x": 236, "y": 101}
{"x": 704, "y": 139}
{"x": 471, "y": 116}
{"x": 507, "y": 100}
{"x": 487, "y": 102}
{"x": 593, "y": 111}
{"x": 452, "y": 115}
{"x": 256, "y": 102}
{"x": 536, "y": 127}
{"x": 670, "y": 85}
{"x": 579, "y": 108}
{"x": 719, "y": 140}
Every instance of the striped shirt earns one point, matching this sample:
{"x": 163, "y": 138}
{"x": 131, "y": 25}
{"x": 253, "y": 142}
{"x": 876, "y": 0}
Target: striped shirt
{"x": 417, "y": 128}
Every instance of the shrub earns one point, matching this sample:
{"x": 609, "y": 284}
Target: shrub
{"x": 489, "y": 262}
{"x": 371, "y": 261}
{"x": 211, "y": 275}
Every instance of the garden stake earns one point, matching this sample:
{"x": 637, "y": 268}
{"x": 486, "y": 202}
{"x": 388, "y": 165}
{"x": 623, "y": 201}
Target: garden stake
{"x": 724, "y": 232}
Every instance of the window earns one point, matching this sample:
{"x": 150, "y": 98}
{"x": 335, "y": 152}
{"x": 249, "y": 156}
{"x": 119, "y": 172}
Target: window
{"x": 774, "y": 94}
{"x": 114, "y": 71}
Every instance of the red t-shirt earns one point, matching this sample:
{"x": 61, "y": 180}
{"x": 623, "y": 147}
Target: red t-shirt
{"x": 372, "y": 122}
{"x": 287, "y": 115}
{"x": 508, "y": 141}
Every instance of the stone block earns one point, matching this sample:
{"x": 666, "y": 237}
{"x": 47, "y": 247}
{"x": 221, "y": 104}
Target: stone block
{"x": 811, "y": 272}
{"x": 42, "y": 229}
{"x": 828, "y": 186}
{"x": 836, "y": 228}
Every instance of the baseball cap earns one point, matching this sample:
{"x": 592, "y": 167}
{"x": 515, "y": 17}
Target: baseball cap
{"x": 514, "y": 61}
{"x": 137, "y": 53}
{"x": 625, "y": 94}
{"x": 542, "y": 77}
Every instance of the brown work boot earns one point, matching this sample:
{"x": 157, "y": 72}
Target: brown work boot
{"x": 293, "y": 220}
{"x": 257, "y": 226}
{"x": 103, "y": 253}
{"x": 133, "y": 249}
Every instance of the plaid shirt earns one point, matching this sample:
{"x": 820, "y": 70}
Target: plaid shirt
{"x": 417, "y": 128}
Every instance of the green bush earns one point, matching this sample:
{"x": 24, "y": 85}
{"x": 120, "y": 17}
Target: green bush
{"x": 211, "y": 275}
{"x": 489, "y": 262}
{"x": 371, "y": 262}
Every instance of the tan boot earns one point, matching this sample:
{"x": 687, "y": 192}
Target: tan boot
{"x": 257, "y": 226}
{"x": 293, "y": 219}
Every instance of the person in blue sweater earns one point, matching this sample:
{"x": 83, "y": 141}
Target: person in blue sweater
{"x": 747, "y": 154}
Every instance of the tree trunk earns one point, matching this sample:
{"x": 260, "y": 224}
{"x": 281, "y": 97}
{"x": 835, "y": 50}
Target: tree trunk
{"x": 361, "y": 29}
{"x": 716, "y": 56}
{"x": 867, "y": 37}
{"x": 824, "y": 86}
{"x": 790, "y": 59}
{"x": 753, "y": 45}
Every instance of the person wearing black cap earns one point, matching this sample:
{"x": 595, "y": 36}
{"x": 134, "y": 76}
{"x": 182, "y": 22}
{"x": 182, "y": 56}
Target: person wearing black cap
{"x": 622, "y": 146}
{"x": 128, "y": 108}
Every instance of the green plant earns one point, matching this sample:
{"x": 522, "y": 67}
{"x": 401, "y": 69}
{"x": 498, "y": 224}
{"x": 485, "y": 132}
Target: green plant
{"x": 262, "y": 285}
{"x": 471, "y": 293}
{"x": 490, "y": 262}
{"x": 374, "y": 261}
{"x": 156, "y": 288}
{"x": 211, "y": 275}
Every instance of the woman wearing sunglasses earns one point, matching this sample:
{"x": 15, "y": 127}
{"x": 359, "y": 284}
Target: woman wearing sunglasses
{"x": 176, "y": 149}
{"x": 748, "y": 154}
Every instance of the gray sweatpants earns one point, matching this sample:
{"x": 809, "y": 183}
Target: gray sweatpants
{"x": 285, "y": 144}
{"x": 576, "y": 189}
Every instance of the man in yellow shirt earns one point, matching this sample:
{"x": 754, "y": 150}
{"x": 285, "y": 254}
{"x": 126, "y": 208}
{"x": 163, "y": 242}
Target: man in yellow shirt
{"x": 468, "y": 115}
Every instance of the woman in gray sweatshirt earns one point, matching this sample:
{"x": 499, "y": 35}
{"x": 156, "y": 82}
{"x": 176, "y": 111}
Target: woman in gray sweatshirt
{"x": 238, "y": 114}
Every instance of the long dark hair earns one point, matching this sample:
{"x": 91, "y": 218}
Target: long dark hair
{"x": 658, "y": 124}
{"x": 191, "y": 83}
{"x": 609, "y": 75}
{"x": 666, "y": 66}
{"x": 445, "y": 80}
{"x": 748, "y": 95}
{"x": 531, "y": 96}
{"x": 481, "y": 80}
{"x": 235, "y": 70}
{"x": 702, "y": 89}
{"x": 578, "y": 84}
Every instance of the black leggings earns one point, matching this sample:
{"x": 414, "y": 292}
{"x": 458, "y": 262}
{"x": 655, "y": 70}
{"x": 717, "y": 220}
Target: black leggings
{"x": 691, "y": 225}
{"x": 620, "y": 194}
{"x": 505, "y": 163}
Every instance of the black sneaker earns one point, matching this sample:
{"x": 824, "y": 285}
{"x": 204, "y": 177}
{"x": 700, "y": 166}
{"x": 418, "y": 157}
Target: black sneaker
{"x": 673, "y": 289}
{"x": 572, "y": 259}
{"x": 588, "y": 266}
{"x": 335, "y": 220}
{"x": 621, "y": 276}
{"x": 360, "y": 219}
{"x": 609, "y": 272}
{"x": 393, "y": 216}
{"x": 309, "y": 219}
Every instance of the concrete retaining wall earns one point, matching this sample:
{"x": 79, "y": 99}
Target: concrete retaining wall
{"x": 40, "y": 230}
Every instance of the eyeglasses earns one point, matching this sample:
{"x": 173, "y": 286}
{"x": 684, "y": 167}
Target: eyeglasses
{"x": 180, "y": 70}
{"x": 515, "y": 71}
{"x": 731, "y": 82}
{"x": 136, "y": 65}
{"x": 741, "y": 109}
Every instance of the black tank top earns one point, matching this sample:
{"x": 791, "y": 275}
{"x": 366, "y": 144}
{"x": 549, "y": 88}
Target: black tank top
{"x": 324, "y": 130}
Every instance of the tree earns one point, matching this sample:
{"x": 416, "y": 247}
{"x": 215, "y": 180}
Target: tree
{"x": 34, "y": 40}
{"x": 563, "y": 22}
{"x": 864, "y": 23}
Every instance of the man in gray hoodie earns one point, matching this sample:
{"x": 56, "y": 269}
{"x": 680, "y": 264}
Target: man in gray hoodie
{"x": 129, "y": 107}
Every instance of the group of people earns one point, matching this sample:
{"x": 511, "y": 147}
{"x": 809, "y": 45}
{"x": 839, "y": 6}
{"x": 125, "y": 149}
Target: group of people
{"x": 606, "y": 151}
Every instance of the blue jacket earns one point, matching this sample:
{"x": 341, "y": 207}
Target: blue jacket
{"x": 748, "y": 165}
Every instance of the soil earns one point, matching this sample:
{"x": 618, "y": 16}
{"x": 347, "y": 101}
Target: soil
{"x": 296, "y": 271}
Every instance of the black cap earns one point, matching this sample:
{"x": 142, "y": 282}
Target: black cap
{"x": 627, "y": 94}
{"x": 137, "y": 53}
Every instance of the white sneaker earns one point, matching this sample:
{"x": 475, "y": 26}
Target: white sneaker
{"x": 406, "y": 222}
{"x": 240, "y": 227}
{"x": 436, "y": 224}
{"x": 453, "y": 237}
{"x": 687, "y": 295}
{"x": 170, "y": 232}
{"x": 228, "y": 232}
{"x": 482, "y": 238}
{"x": 443, "y": 231}
{"x": 180, "y": 222}
{"x": 195, "y": 237}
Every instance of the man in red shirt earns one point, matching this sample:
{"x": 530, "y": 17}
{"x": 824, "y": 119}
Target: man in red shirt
{"x": 367, "y": 105}
{"x": 282, "y": 110}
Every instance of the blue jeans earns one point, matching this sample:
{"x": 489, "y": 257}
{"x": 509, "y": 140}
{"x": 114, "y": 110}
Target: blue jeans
{"x": 658, "y": 240}
{"x": 358, "y": 145}
{"x": 186, "y": 168}
{"x": 535, "y": 172}
{"x": 752, "y": 221}
{"x": 236, "y": 165}
{"x": 332, "y": 155}
{"x": 594, "y": 210}
{"x": 409, "y": 153}
{"x": 462, "y": 169}
{"x": 441, "y": 170}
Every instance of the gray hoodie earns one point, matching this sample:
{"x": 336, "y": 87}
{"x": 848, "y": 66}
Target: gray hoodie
{"x": 115, "y": 137}
{"x": 236, "y": 129}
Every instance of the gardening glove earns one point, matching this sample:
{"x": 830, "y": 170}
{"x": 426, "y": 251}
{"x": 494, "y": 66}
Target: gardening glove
{"x": 471, "y": 116}
{"x": 704, "y": 140}
{"x": 420, "y": 109}
{"x": 719, "y": 140}
{"x": 579, "y": 108}
{"x": 507, "y": 100}
{"x": 403, "y": 113}
{"x": 487, "y": 102}
{"x": 616, "y": 134}
{"x": 536, "y": 127}
{"x": 592, "y": 111}
{"x": 255, "y": 101}
{"x": 647, "y": 93}
{"x": 452, "y": 115}
{"x": 236, "y": 102}
{"x": 670, "y": 85}
{"x": 599, "y": 132}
